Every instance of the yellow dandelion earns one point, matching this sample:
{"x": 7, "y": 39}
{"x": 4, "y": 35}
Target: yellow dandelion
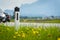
{"x": 14, "y": 36}
{"x": 19, "y": 35}
{"x": 23, "y": 35}
{"x": 21, "y": 31}
{"x": 8, "y": 29}
{"x": 58, "y": 39}
{"x": 32, "y": 29}
{"x": 34, "y": 32}
{"x": 27, "y": 28}
{"x": 37, "y": 32}
{"x": 16, "y": 32}
{"x": 39, "y": 29}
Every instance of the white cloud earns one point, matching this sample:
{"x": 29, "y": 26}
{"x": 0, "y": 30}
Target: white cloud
{"x": 10, "y": 4}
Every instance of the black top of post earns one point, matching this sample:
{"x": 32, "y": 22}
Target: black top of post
{"x": 16, "y": 9}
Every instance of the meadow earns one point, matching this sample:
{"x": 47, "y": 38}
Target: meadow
{"x": 39, "y": 21}
{"x": 29, "y": 33}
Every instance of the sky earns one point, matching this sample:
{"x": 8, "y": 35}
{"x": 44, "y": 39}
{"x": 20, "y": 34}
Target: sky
{"x": 32, "y": 7}
{"x": 10, "y": 4}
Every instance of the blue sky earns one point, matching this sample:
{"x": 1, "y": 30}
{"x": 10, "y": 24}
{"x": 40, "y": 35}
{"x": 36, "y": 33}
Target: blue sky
{"x": 39, "y": 8}
{"x": 42, "y": 8}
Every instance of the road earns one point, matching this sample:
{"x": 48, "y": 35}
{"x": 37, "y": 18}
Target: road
{"x": 33, "y": 24}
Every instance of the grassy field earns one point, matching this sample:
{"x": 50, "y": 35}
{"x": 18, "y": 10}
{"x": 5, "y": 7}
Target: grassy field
{"x": 29, "y": 33}
{"x": 40, "y": 21}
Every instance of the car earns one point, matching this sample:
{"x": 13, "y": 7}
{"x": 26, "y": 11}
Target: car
{"x": 7, "y": 17}
{"x": 4, "y": 17}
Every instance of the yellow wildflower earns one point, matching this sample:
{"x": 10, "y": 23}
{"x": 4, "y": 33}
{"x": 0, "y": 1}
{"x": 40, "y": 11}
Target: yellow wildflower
{"x": 19, "y": 35}
{"x": 14, "y": 36}
{"x": 23, "y": 35}
{"x": 34, "y": 32}
{"x": 21, "y": 31}
{"x": 8, "y": 28}
{"x": 37, "y": 32}
{"x": 58, "y": 39}
{"x": 32, "y": 29}
{"x": 39, "y": 29}
{"x": 16, "y": 32}
{"x": 27, "y": 28}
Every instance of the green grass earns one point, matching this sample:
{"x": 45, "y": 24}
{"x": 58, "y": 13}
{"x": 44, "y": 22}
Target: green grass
{"x": 39, "y": 21}
{"x": 43, "y": 21}
{"x": 29, "y": 33}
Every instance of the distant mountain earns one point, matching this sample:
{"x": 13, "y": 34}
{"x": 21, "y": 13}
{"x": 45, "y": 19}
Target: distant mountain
{"x": 10, "y": 12}
{"x": 1, "y": 11}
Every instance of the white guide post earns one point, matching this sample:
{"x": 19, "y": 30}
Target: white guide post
{"x": 17, "y": 17}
